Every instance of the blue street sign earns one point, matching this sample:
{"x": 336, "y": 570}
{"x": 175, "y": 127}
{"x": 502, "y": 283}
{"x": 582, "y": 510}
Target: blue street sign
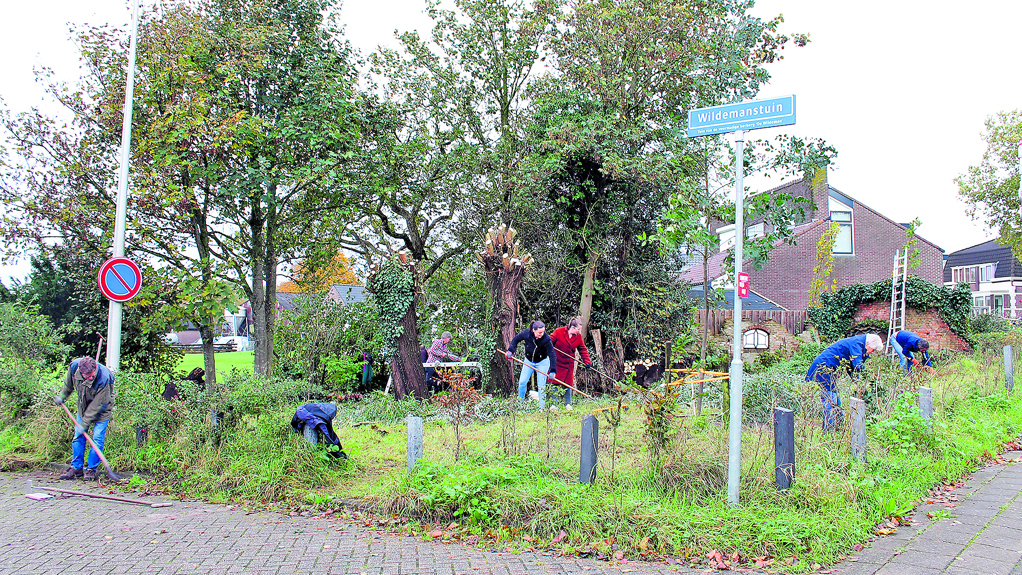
{"x": 742, "y": 116}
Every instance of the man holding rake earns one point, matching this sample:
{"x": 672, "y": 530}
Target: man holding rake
{"x": 95, "y": 387}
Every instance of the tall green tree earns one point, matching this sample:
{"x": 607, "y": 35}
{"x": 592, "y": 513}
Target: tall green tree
{"x": 992, "y": 188}
{"x": 607, "y": 145}
{"x": 244, "y": 119}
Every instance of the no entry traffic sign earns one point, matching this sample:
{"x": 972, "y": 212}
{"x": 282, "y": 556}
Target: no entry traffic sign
{"x": 119, "y": 279}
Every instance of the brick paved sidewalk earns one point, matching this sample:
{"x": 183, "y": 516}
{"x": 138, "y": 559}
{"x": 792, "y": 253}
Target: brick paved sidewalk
{"x": 980, "y": 535}
{"x": 82, "y": 535}
{"x": 69, "y": 535}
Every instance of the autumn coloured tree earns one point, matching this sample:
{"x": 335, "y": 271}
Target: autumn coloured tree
{"x": 314, "y": 277}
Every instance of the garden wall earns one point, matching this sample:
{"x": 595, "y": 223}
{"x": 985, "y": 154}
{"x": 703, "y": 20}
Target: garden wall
{"x": 926, "y": 323}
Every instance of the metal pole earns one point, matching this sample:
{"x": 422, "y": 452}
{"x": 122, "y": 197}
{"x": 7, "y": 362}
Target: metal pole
{"x": 113, "y": 326}
{"x": 734, "y": 459}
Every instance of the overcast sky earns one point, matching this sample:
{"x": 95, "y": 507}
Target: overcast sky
{"x": 900, "y": 87}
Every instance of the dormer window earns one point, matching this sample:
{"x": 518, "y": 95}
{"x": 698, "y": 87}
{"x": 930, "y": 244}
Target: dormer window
{"x": 843, "y": 242}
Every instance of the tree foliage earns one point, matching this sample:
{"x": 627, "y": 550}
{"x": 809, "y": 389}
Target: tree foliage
{"x": 991, "y": 189}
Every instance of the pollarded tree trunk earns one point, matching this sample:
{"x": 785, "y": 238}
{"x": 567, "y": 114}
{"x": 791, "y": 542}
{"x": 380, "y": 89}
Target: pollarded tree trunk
{"x": 505, "y": 269}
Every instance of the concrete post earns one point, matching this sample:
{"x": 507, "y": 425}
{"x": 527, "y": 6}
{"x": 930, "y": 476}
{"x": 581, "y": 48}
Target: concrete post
{"x": 590, "y": 440}
{"x": 1009, "y": 368}
{"x": 858, "y": 428}
{"x": 926, "y": 403}
{"x": 414, "y": 441}
{"x": 784, "y": 447}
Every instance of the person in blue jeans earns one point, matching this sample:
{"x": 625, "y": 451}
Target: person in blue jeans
{"x": 94, "y": 385}
{"x": 539, "y": 357}
{"x": 906, "y": 343}
{"x": 850, "y": 353}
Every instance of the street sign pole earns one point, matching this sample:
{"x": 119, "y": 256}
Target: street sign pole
{"x": 734, "y": 459}
{"x": 113, "y": 326}
{"x": 738, "y": 118}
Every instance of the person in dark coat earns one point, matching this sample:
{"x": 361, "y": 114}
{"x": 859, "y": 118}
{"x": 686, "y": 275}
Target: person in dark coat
{"x": 318, "y": 417}
{"x": 539, "y": 357}
{"x": 851, "y": 353}
{"x": 906, "y": 343}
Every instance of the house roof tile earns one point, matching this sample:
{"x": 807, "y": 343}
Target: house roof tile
{"x": 988, "y": 252}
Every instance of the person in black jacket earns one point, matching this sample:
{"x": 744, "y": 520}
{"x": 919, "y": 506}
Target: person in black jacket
{"x": 540, "y": 357}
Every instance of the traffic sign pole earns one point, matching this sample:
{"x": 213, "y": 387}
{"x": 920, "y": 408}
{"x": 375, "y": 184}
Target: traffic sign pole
{"x": 113, "y": 325}
{"x": 734, "y": 458}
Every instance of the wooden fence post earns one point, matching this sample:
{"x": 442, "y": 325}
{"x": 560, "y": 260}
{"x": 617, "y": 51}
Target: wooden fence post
{"x": 1009, "y": 368}
{"x": 926, "y": 403}
{"x": 784, "y": 447}
{"x": 858, "y": 428}
{"x": 590, "y": 440}
{"x": 414, "y": 441}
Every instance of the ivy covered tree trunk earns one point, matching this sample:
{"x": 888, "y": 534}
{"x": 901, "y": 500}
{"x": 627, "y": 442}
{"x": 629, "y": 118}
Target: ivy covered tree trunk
{"x": 394, "y": 285}
{"x": 505, "y": 270}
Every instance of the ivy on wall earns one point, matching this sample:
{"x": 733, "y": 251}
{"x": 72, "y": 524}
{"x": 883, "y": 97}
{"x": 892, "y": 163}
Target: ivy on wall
{"x": 834, "y": 317}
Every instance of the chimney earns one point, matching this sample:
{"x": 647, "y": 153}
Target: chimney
{"x": 820, "y": 194}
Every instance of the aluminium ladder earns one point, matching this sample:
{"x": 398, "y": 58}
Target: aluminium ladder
{"x": 899, "y": 279}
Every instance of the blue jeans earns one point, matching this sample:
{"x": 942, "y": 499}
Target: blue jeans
{"x": 903, "y": 360}
{"x": 523, "y": 380}
{"x": 833, "y": 417}
{"x": 78, "y": 446}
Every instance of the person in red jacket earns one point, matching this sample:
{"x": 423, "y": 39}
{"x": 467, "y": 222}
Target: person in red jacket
{"x": 566, "y": 340}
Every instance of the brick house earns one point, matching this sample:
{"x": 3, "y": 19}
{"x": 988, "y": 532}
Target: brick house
{"x": 863, "y": 251}
{"x": 994, "y": 275}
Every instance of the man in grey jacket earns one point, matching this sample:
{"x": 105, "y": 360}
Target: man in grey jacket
{"x": 94, "y": 385}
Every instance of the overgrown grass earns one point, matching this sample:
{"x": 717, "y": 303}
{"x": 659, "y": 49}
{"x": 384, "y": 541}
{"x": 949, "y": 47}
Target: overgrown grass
{"x": 518, "y": 474}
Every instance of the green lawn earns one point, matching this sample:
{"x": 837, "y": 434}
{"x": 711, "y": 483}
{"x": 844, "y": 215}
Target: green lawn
{"x": 225, "y": 361}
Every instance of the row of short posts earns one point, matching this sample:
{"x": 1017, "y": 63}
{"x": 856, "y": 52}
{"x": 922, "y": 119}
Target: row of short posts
{"x": 587, "y": 463}
{"x": 784, "y": 433}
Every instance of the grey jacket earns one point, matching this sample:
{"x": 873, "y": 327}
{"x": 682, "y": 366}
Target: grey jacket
{"x": 96, "y": 401}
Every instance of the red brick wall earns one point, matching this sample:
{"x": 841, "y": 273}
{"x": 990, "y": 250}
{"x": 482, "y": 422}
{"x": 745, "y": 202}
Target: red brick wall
{"x": 876, "y": 240}
{"x": 926, "y": 323}
{"x": 787, "y": 276}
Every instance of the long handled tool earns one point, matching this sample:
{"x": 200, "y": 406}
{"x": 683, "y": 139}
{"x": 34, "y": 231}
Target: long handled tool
{"x": 98, "y": 495}
{"x": 550, "y": 377}
{"x": 572, "y": 357}
{"x": 109, "y": 470}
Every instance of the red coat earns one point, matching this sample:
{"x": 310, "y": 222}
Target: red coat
{"x": 565, "y": 347}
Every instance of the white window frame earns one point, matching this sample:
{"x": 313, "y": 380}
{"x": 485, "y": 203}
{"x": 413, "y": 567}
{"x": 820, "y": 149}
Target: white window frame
{"x": 850, "y": 224}
{"x": 756, "y": 338}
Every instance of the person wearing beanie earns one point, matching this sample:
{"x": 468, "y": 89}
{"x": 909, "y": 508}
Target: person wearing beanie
{"x": 906, "y": 343}
{"x": 850, "y": 353}
{"x": 94, "y": 385}
{"x": 539, "y": 357}
{"x": 438, "y": 352}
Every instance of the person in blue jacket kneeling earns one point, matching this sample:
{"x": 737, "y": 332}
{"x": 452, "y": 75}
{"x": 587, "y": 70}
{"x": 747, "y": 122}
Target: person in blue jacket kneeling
{"x": 851, "y": 352}
{"x": 906, "y": 343}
